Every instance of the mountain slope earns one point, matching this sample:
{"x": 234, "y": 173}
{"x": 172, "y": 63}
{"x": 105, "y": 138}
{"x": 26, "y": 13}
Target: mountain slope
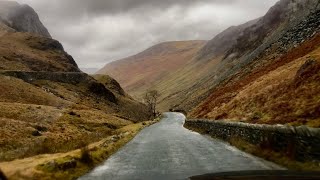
{"x": 137, "y": 73}
{"x": 251, "y": 43}
{"x": 285, "y": 91}
{"x": 269, "y": 85}
{"x": 47, "y": 105}
{"x": 29, "y": 52}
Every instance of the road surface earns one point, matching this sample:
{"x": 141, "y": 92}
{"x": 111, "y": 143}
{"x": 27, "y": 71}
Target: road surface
{"x": 167, "y": 150}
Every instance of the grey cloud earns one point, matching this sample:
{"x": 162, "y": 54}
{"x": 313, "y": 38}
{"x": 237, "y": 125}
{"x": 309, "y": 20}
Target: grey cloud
{"x": 96, "y": 32}
{"x": 96, "y": 7}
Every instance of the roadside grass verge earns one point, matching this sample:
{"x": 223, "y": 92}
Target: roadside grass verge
{"x": 280, "y": 158}
{"x": 73, "y": 164}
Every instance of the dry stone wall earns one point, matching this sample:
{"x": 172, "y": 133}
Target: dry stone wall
{"x": 301, "y": 143}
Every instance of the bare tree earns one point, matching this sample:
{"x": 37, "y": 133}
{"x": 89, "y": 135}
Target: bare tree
{"x": 151, "y": 100}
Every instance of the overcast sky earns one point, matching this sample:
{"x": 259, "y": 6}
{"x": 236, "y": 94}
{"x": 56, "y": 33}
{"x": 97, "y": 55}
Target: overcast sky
{"x": 96, "y": 32}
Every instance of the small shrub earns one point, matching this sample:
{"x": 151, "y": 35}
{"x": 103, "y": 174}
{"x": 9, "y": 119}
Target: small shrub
{"x": 36, "y": 133}
{"x": 85, "y": 156}
{"x": 2, "y": 176}
{"x": 41, "y": 128}
{"x": 256, "y": 116}
{"x": 72, "y": 113}
{"x": 221, "y": 116}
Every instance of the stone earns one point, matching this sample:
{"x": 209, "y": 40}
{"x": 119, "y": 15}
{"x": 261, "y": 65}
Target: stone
{"x": 305, "y": 140}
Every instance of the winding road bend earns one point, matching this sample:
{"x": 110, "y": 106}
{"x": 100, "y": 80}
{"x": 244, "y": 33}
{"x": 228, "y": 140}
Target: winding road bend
{"x": 167, "y": 150}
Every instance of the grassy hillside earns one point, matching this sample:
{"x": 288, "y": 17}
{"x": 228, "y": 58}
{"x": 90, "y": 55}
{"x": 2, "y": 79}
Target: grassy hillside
{"x": 284, "y": 91}
{"x": 138, "y": 73}
{"x": 48, "y": 106}
{"x": 49, "y": 117}
{"x": 27, "y": 52}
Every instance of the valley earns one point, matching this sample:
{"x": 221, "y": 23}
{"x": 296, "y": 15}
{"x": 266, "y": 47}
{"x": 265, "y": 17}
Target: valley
{"x": 152, "y": 65}
{"x": 251, "y": 72}
{"x": 255, "y": 85}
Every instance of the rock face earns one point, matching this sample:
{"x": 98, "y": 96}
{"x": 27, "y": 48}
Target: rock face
{"x": 22, "y": 18}
{"x": 221, "y": 43}
{"x": 283, "y": 16}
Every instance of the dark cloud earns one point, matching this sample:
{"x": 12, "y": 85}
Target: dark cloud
{"x": 96, "y": 32}
{"x": 102, "y": 7}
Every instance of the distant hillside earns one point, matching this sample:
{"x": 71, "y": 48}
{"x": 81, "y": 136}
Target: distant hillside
{"x": 139, "y": 72}
{"x": 89, "y": 70}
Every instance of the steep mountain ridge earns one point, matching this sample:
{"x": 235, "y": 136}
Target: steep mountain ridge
{"x": 239, "y": 55}
{"x": 21, "y": 18}
{"x": 294, "y": 45}
{"x": 286, "y": 14}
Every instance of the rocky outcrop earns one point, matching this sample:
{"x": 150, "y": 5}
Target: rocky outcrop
{"x": 22, "y": 18}
{"x": 294, "y": 36}
{"x": 221, "y": 43}
{"x": 286, "y": 14}
{"x": 110, "y": 83}
{"x": 100, "y": 90}
{"x": 301, "y": 142}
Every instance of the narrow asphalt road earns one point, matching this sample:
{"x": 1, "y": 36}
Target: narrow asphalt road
{"x": 167, "y": 150}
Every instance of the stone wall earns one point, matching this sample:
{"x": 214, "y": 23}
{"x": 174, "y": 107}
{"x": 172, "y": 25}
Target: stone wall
{"x": 301, "y": 143}
{"x": 63, "y": 77}
{"x": 73, "y": 78}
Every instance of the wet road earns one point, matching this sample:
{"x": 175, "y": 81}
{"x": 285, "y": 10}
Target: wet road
{"x": 167, "y": 150}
